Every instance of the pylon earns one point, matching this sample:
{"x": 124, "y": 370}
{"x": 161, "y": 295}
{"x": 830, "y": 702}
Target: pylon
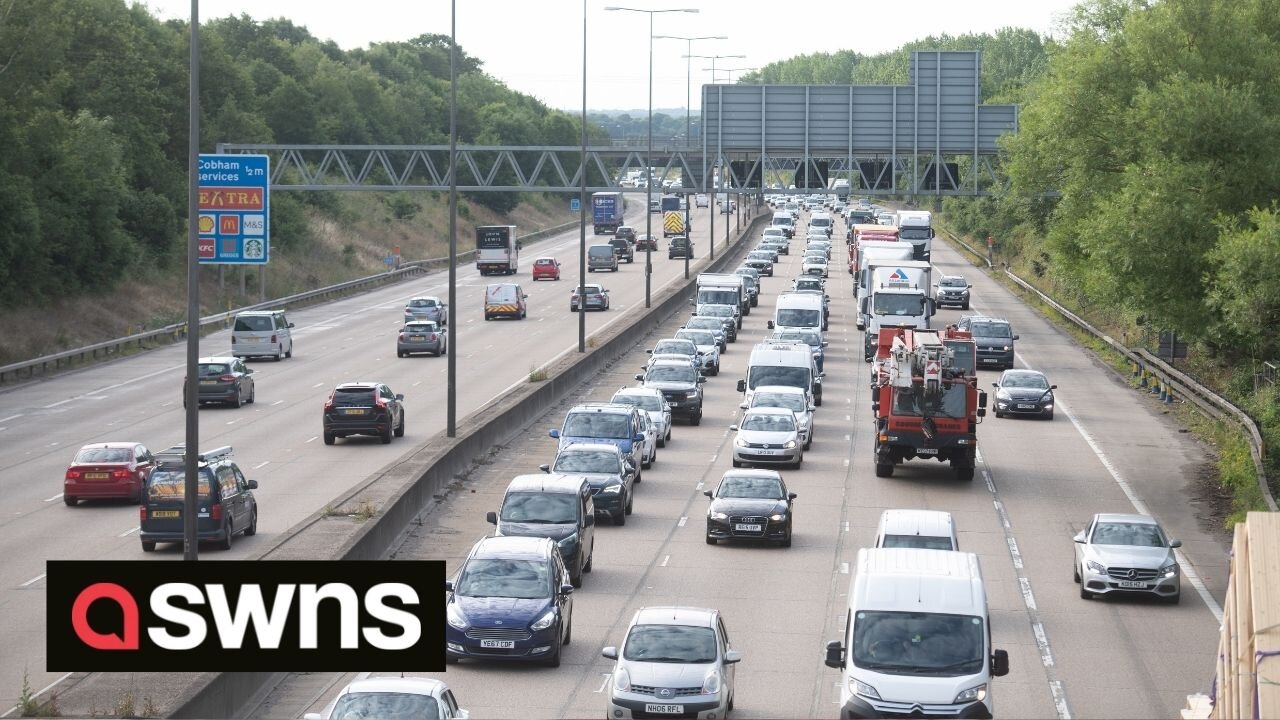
{"x": 1142, "y": 376}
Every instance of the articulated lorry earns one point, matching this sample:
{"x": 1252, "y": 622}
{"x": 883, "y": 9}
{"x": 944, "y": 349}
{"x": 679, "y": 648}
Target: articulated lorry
{"x": 607, "y": 209}
{"x": 916, "y": 227}
{"x": 497, "y": 250}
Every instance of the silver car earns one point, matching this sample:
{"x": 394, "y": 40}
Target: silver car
{"x": 768, "y": 436}
{"x": 713, "y": 325}
{"x": 653, "y": 404}
{"x": 427, "y": 308}
{"x": 1124, "y": 553}
{"x": 422, "y": 336}
{"x": 675, "y": 661}
{"x": 708, "y": 349}
{"x": 792, "y": 398}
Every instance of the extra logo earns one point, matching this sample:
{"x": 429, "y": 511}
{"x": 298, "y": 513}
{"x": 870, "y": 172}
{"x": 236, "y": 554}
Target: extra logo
{"x": 253, "y": 616}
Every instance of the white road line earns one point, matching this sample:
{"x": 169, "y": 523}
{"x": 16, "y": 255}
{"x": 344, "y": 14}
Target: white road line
{"x": 313, "y": 438}
{"x": 171, "y": 402}
{"x": 848, "y": 418}
{"x": 846, "y": 462}
{"x": 262, "y": 464}
{"x": 2, "y": 429}
{"x": 42, "y": 691}
{"x": 604, "y": 682}
{"x": 317, "y": 385}
{"x": 714, "y": 457}
{"x": 11, "y": 417}
{"x": 682, "y": 522}
{"x": 844, "y": 568}
{"x": 416, "y": 384}
{"x": 1014, "y": 552}
{"x": 665, "y": 560}
{"x": 276, "y": 403}
{"x": 55, "y": 497}
{"x": 698, "y": 486}
{"x": 34, "y": 580}
{"x": 845, "y": 526}
{"x": 127, "y": 533}
{"x": 231, "y": 422}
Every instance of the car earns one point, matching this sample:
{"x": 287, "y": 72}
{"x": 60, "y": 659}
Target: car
{"x": 655, "y": 204}
{"x": 602, "y": 257}
{"x": 626, "y": 232}
{"x": 546, "y": 268}
{"x": 393, "y": 697}
{"x": 624, "y": 249}
{"x": 603, "y": 423}
{"x": 262, "y": 333}
{"x": 826, "y": 303}
{"x": 823, "y": 245}
{"x": 107, "y": 470}
{"x": 422, "y": 336}
{"x": 511, "y": 600}
{"x": 814, "y": 265}
{"x": 430, "y": 308}
{"x": 731, "y": 319}
{"x": 952, "y": 290}
{"x": 752, "y": 281}
{"x": 769, "y": 249}
{"x": 1024, "y": 392}
{"x": 808, "y": 336}
{"x": 611, "y": 474}
{"x": 646, "y": 242}
{"x": 650, "y": 402}
{"x": 650, "y": 429}
{"x": 725, "y": 326}
{"x": 768, "y": 436}
{"x": 559, "y": 506}
{"x": 674, "y": 661}
{"x": 224, "y": 494}
{"x": 701, "y": 200}
{"x": 708, "y": 349}
{"x": 680, "y": 246}
{"x": 750, "y": 504}
{"x": 713, "y": 325}
{"x": 791, "y": 398}
{"x": 363, "y": 408}
{"x": 923, "y": 529}
{"x": 223, "y": 380}
{"x": 761, "y": 261}
{"x": 680, "y": 384}
{"x": 683, "y": 347}
{"x": 805, "y": 282}
{"x": 1120, "y": 553}
{"x": 776, "y": 245}
{"x": 994, "y": 338}
{"x": 597, "y": 298}
{"x": 774, "y": 232}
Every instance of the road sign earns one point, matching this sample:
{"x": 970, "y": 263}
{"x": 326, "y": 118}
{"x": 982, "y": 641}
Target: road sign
{"x": 1170, "y": 348}
{"x": 575, "y": 205}
{"x": 235, "y": 215}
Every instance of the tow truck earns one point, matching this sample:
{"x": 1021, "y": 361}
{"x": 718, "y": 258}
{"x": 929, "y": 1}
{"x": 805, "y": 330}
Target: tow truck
{"x": 925, "y": 399}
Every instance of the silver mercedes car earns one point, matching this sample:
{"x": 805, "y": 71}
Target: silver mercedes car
{"x": 1125, "y": 553}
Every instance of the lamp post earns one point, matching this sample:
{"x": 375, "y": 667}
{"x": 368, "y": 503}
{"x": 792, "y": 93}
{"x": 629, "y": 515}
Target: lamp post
{"x": 648, "y": 158}
{"x": 582, "y": 200}
{"x": 731, "y": 71}
{"x": 190, "y": 391}
{"x": 451, "y": 412}
{"x": 688, "y": 86}
{"x": 714, "y": 199}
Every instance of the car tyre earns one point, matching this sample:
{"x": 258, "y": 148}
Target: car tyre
{"x": 1085, "y": 594}
{"x": 884, "y": 469}
{"x": 1075, "y": 573}
{"x": 662, "y": 442}
{"x": 1173, "y": 599}
{"x": 575, "y": 579}
{"x": 239, "y": 403}
{"x": 647, "y": 463}
{"x": 737, "y": 463}
{"x": 400, "y": 427}
{"x": 289, "y": 354}
{"x": 711, "y": 540}
{"x": 696, "y": 419}
{"x": 253, "y": 525}
{"x": 620, "y": 519}
{"x": 148, "y": 546}
{"x": 554, "y": 660}
{"x": 964, "y": 474}
{"x": 330, "y": 438}
{"x": 631, "y": 500}
{"x": 1049, "y": 416}
{"x": 253, "y": 394}
{"x": 225, "y": 542}
{"x": 386, "y": 435}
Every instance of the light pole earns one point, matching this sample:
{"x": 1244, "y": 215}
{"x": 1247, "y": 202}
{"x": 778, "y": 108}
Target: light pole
{"x": 451, "y": 412}
{"x": 191, "y": 445}
{"x": 582, "y": 200}
{"x": 648, "y": 158}
{"x": 688, "y": 85}
{"x": 714, "y": 199}
{"x": 731, "y": 71}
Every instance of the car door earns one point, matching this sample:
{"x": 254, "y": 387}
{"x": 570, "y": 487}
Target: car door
{"x": 248, "y": 503}
{"x": 563, "y": 600}
{"x": 397, "y": 410}
{"x": 246, "y": 377}
{"x": 229, "y": 496}
{"x": 725, "y": 647}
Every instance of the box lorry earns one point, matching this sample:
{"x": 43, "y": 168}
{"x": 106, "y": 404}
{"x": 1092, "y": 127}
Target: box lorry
{"x": 497, "y": 250}
{"x": 607, "y": 209}
{"x": 899, "y": 294}
{"x": 916, "y": 226}
{"x": 723, "y": 289}
{"x": 870, "y": 252}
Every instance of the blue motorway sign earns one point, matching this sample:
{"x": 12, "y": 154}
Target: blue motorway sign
{"x": 235, "y": 214}
{"x": 575, "y": 205}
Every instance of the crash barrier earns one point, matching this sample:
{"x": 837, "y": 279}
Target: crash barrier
{"x": 178, "y": 331}
{"x": 1159, "y": 378}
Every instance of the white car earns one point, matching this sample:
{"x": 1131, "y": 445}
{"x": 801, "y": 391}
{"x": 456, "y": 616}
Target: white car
{"x": 701, "y": 200}
{"x": 669, "y": 650}
{"x": 649, "y": 454}
{"x": 708, "y": 349}
{"x": 653, "y": 405}
{"x": 768, "y": 436}
{"x": 393, "y": 697}
{"x": 791, "y": 398}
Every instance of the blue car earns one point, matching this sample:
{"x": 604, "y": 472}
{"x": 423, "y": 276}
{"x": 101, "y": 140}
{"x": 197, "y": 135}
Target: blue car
{"x": 604, "y": 423}
{"x": 510, "y": 601}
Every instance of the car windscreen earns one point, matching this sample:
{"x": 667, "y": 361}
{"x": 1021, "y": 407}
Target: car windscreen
{"x": 353, "y": 398}
{"x": 898, "y": 304}
{"x": 711, "y": 324}
{"x": 103, "y": 455}
{"x": 716, "y": 310}
{"x": 597, "y": 425}
{"x": 793, "y": 317}
{"x": 1133, "y": 534}
{"x": 750, "y": 487}
{"x": 671, "y": 374}
{"x": 587, "y": 461}
{"x": 950, "y": 403}
{"x": 820, "y": 222}
{"x": 534, "y": 507}
{"x": 253, "y": 323}
{"x": 760, "y": 256}
{"x": 911, "y": 643}
{"x": 670, "y": 644}
{"x": 717, "y": 297}
{"x": 675, "y": 347}
{"x": 544, "y": 261}
{"x": 952, "y": 282}
{"x": 990, "y": 330}
{"x": 604, "y": 251}
{"x": 172, "y": 485}
{"x": 213, "y": 369}
{"x": 809, "y": 285}
{"x": 386, "y": 706}
{"x": 782, "y": 221}
{"x": 1034, "y": 381}
{"x": 496, "y": 577}
{"x": 699, "y": 337}
{"x": 422, "y": 303}
{"x": 789, "y": 376}
{"x": 644, "y": 402}
{"x": 768, "y": 423}
{"x": 790, "y": 401}
{"x": 420, "y": 328}
{"x": 923, "y": 542}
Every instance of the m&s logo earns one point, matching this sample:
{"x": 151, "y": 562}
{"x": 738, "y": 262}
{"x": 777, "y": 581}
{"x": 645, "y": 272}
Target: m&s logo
{"x": 251, "y": 616}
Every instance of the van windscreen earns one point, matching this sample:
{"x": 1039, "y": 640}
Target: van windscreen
{"x": 253, "y": 323}
{"x": 789, "y": 376}
{"x": 791, "y": 317}
{"x": 916, "y": 643}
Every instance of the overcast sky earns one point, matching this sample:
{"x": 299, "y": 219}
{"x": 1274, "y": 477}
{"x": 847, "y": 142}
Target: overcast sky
{"x": 535, "y": 46}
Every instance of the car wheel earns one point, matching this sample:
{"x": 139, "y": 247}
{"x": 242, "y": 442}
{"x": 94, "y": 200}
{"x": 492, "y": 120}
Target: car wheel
{"x": 487, "y": 317}
{"x": 715, "y": 370}
{"x": 964, "y": 474}
{"x": 399, "y": 353}
{"x": 999, "y": 415}
{"x": 729, "y": 707}
{"x": 239, "y": 403}
{"x": 70, "y": 500}
{"x": 225, "y": 543}
{"x": 696, "y": 419}
{"x": 451, "y": 659}
{"x": 289, "y": 354}
{"x": 386, "y": 435}
{"x": 253, "y": 394}
{"x": 554, "y": 660}
{"x": 884, "y": 469}
{"x": 444, "y": 349}
{"x": 1173, "y": 599}
{"x": 796, "y": 465}
{"x": 965, "y": 306}
{"x": 330, "y": 438}
{"x": 631, "y": 500}
{"x": 279, "y": 355}
{"x": 662, "y": 442}
{"x": 1085, "y": 594}
{"x": 620, "y": 519}
{"x": 400, "y": 427}
{"x": 817, "y": 400}
{"x": 737, "y": 464}
{"x": 253, "y": 525}
{"x": 1075, "y": 573}
{"x": 647, "y": 463}
{"x": 786, "y": 542}
{"x": 575, "y": 579}
{"x": 1049, "y": 416}
{"x": 711, "y": 540}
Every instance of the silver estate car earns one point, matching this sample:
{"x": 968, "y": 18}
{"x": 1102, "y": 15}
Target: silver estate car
{"x": 422, "y": 336}
{"x": 1125, "y": 553}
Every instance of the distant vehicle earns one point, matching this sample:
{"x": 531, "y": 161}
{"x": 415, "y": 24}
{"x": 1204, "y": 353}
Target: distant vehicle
{"x": 422, "y": 336}
{"x": 750, "y": 505}
{"x": 708, "y": 349}
{"x": 760, "y": 260}
{"x": 260, "y": 333}
{"x": 385, "y": 697}
{"x": 223, "y": 380}
{"x": 808, "y": 336}
{"x": 603, "y": 423}
{"x": 727, "y": 315}
{"x": 624, "y": 249}
{"x": 363, "y": 409}
{"x": 427, "y": 308}
{"x": 627, "y": 233}
{"x": 711, "y": 324}
{"x": 768, "y": 436}
{"x": 701, "y": 200}
{"x": 607, "y": 209}
{"x": 681, "y": 386}
{"x": 923, "y": 529}
{"x": 107, "y": 470}
{"x": 611, "y": 475}
{"x": 506, "y": 300}
{"x": 222, "y": 489}
{"x": 497, "y": 250}
{"x": 597, "y": 298}
{"x": 602, "y": 257}
{"x": 646, "y": 242}
{"x": 546, "y": 268}
{"x": 1024, "y": 392}
{"x": 952, "y": 290}
{"x": 679, "y": 246}
{"x": 649, "y": 401}
{"x": 994, "y": 337}
{"x": 1121, "y": 554}
{"x": 558, "y": 506}
{"x": 792, "y": 398}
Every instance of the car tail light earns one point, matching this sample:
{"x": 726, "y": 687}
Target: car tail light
{"x": 328, "y": 403}
{"x": 119, "y": 474}
{"x": 433, "y": 336}
{"x": 380, "y": 401}
{"x": 142, "y": 514}
{"x": 402, "y": 336}
{"x": 73, "y": 474}
{"x": 216, "y": 511}
{"x": 227, "y": 378}
{"x": 273, "y": 339}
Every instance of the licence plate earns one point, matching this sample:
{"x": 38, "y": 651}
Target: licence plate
{"x": 756, "y": 451}
{"x": 671, "y": 404}
{"x": 1025, "y": 406}
{"x": 989, "y": 360}
{"x": 664, "y": 709}
{"x": 1132, "y": 584}
{"x": 500, "y": 644}
{"x": 96, "y": 476}
{"x": 926, "y": 451}
{"x": 208, "y": 382}
{"x": 164, "y": 513}
{"x": 354, "y": 411}
{"x": 417, "y": 338}
{"x": 747, "y": 528}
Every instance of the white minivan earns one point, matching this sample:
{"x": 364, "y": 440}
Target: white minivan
{"x": 917, "y": 637}
{"x": 798, "y": 310}
{"x": 928, "y": 529}
{"x": 262, "y": 333}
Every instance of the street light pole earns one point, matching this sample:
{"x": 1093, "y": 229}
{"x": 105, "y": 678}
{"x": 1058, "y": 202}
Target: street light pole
{"x": 452, "y": 410}
{"x": 582, "y": 200}
{"x": 191, "y": 389}
{"x": 688, "y": 87}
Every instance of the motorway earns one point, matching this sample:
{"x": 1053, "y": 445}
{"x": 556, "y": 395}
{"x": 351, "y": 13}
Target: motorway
{"x": 1110, "y": 449}
{"x": 276, "y": 439}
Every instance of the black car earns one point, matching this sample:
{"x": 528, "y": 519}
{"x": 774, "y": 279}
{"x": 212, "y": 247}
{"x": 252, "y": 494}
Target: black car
{"x": 750, "y": 505}
{"x": 679, "y": 247}
{"x": 555, "y": 506}
{"x": 713, "y": 324}
{"x": 761, "y": 261}
{"x": 225, "y": 503}
{"x": 363, "y": 409}
{"x": 681, "y": 386}
{"x": 223, "y": 380}
{"x": 623, "y": 248}
{"x": 612, "y": 476}
{"x": 626, "y": 232}
{"x": 1024, "y": 392}
{"x": 994, "y": 338}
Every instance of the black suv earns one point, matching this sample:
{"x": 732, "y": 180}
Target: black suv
{"x": 623, "y": 249}
{"x": 225, "y": 503}
{"x": 681, "y": 386}
{"x": 363, "y": 409}
{"x": 626, "y": 232}
{"x": 679, "y": 246}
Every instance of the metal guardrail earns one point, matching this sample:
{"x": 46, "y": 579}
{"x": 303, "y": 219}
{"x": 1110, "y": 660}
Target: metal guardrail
{"x": 177, "y": 331}
{"x": 1164, "y": 378}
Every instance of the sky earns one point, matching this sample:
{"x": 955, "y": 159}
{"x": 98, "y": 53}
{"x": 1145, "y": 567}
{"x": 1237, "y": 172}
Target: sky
{"x": 535, "y": 46}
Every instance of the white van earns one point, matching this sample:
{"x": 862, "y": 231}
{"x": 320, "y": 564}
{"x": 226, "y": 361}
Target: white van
{"x": 927, "y": 529}
{"x": 798, "y": 310}
{"x": 917, "y": 637}
{"x": 505, "y": 300}
{"x": 262, "y": 333}
{"x": 786, "y": 221}
{"x": 822, "y": 221}
{"x": 782, "y": 363}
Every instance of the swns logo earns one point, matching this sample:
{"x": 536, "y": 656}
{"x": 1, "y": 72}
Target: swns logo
{"x": 245, "y": 616}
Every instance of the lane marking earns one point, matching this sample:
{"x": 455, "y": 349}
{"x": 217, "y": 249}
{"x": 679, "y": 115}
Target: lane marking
{"x": 276, "y": 403}
{"x": 664, "y": 561}
{"x": 319, "y": 384}
{"x": 55, "y": 497}
{"x": 682, "y": 522}
{"x": 34, "y": 580}
{"x": 262, "y": 464}
{"x": 604, "y": 682}
{"x": 845, "y": 525}
{"x": 11, "y": 417}
{"x": 313, "y": 438}
{"x": 127, "y": 533}
{"x": 40, "y": 692}
{"x": 844, "y": 568}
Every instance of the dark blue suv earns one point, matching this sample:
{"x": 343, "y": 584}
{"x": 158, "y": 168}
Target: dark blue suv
{"x": 510, "y": 601}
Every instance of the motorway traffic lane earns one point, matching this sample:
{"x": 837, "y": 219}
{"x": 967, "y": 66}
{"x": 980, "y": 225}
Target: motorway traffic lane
{"x": 276, "y": 439}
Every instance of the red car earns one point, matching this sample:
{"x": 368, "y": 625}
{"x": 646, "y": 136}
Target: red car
{"x": 546, "y": 268}
{"x": 107, "y": 470}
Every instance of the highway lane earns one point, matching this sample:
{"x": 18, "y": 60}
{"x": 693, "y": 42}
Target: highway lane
{"x": 277, "y": 438}
{"x": 1069, "y": 657}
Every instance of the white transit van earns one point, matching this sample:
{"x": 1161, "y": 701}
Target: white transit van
{"x": 917, "y": 638}
{"x": 798, "y": 310}
{"x": 786, "y": 221}
{"x": 262, "y": 333}
{"x": 927, "y": 529}
{"x": 781, "y": 363}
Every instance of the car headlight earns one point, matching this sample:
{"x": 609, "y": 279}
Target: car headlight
{"x": 1169, "y": 570}
{"x": 740, "y": 442}
{"x": 778, "y": 517}
{"x": 1096, "y": 567}
{"x": 973, "y": 694}
{"x": 691, "y": 394}
{"x": 622, "y": 680}
{"x": 717, "y": 516}
{"x": 1048, "y": 406}
{"x": 1002, "y": 395}
{"x": 1007, "y": 348}
{"x": 611, "y": 489}
{"x": 544, "y": 622}
{"x": 569, "y": 542}
{"x": 789, "y": 444}
{"x": 455, "y": 617}
{"x": 857, "y": 687}
{"x": 711, "y": 684}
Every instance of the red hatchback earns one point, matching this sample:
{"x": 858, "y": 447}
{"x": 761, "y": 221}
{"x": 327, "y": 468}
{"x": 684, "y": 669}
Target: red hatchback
{"x": 546, "y": 268}
{"x": 107, "y": 470}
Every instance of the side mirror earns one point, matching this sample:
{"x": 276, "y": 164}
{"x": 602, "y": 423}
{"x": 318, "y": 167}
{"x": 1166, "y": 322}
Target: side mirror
{"x": 463, "y": 714}
{"x": 813, "y": 408}
{"x": 554, "y": 433}
{"x": 545, "y": 468}
{"x": 769, "y": 324}
{"x": 995, "y": 385}
{"x": 251, "y": 484}
{"x": 566, "y": 589}
{"x": 744, "y": 406}
{"x": 526, "y": 297}
{"x": 639, "y": 377}
{"x": 290, "y": 324}
{"x": 639, "y": 437}
{"x": 968, "y": 287}
{"x": 1015, "y": 337}
{"x": 792, "y": 496}
{"x": 448, "y": 586}
{"x": 1000, "y": 663}
{"x": 491, "y": 517}
{"x": 1175, "y": 543}
{"x": 835, "y": 655}
{"x": 733, "y": 428}
{"x": 702, "y": 379}
{"x": 825, "y": 343}
{"x": 1053, "y": 387}
{"x": 248, "y": 371}
{"x": 610, "y": 652}
{"x": 732, "y": 656}
{"x": 707, "y": 493}
{"x": 1079, "y": 537}
{"x": 399, "y": 396}
{"x": 649, "y": 352}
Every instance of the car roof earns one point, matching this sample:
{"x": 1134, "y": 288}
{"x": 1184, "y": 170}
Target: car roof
{"x": 638, "y": 391}
{"x": 601, "y": 407}
{"x": 407, "y": 685}
{"x": 1125, "y": 518}
{"x": 932, "y": 523}
{"x": 984, "y": 318}
{"x": 216, "y": 359}
{"x": 357, "y": 386}
{"x": 515, "y": 547}
{"x": 752, "y": 473}
{"x": 424, "y": 297}
{"x": 544, "y": 257}
{"x": 675, "y": 615}
{"x": 1022, "y": 372}
{"x": 671, "y": 362}
{"x": 258, "y": 312}
{"x": 114, "y": 444}
{"x": 766, "y": 410}
{"x": 592, "y": 447}
{"x": 549, "y": 482}
{"x": 781, "y": 389}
